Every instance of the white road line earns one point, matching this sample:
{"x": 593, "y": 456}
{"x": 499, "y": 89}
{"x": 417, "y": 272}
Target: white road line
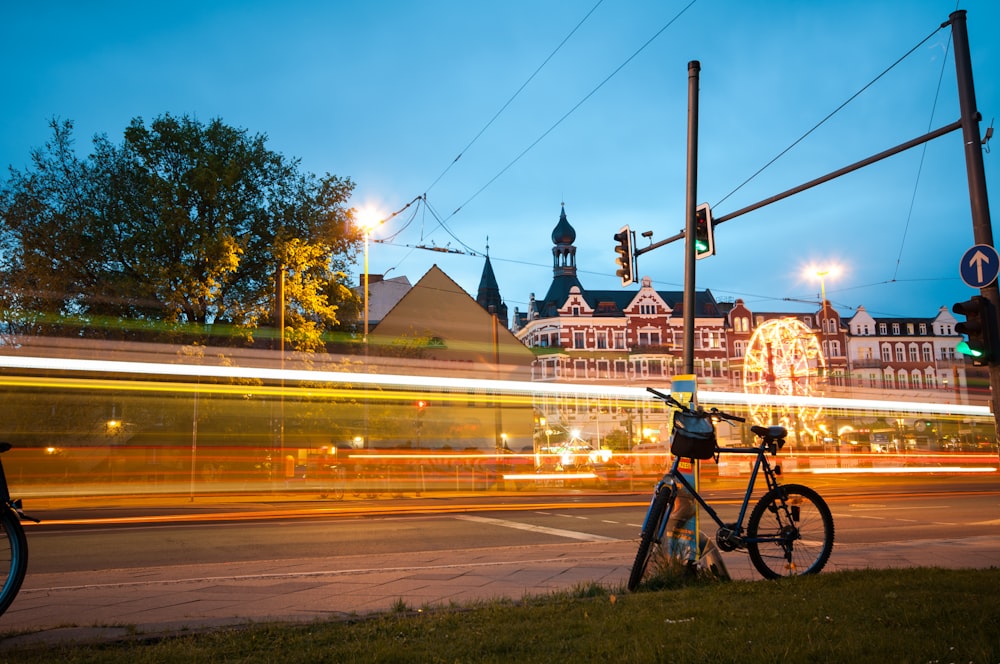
{"x": 559, "y": 532}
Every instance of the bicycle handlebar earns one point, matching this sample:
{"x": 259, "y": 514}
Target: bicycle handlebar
{"x": 714, "y": 412}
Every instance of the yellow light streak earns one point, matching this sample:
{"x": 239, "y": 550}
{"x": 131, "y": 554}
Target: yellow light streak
{"x": 349, "y": 383}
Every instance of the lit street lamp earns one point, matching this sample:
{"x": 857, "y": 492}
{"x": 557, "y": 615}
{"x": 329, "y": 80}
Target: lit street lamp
{"x": 368, "y": 220}
{"x": 831, "y": 271}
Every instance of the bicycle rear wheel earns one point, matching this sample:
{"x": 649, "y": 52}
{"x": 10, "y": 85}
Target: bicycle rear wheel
{"x": 13, "y": 556}
{"x": 790, "y": 532}
{"x": 657, "y": 513}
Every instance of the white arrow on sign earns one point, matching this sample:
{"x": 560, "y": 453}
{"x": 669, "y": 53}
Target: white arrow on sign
{"x": 977, "y": 260}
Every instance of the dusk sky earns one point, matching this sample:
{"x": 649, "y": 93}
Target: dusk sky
{"x": 389, "y": 93}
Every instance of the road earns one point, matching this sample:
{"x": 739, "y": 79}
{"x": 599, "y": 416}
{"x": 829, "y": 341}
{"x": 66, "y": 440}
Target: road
{"x": 89, "y": 540}
{"x": 115, "y": 568}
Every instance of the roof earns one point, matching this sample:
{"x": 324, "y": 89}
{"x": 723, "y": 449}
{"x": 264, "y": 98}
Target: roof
{"x": 438, "y": 308}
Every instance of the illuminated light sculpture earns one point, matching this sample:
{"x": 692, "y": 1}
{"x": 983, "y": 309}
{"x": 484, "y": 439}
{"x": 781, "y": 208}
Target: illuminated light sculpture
{"x": 784, "y": 359}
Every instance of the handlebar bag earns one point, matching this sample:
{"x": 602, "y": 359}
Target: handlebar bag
{"x": 693, "y": 436}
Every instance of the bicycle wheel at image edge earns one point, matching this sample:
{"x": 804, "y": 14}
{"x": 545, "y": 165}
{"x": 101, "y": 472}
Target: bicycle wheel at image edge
{"x": 657, "y": 512}
{"x": 13, "y": 557}
{"x": 790, "y": 532}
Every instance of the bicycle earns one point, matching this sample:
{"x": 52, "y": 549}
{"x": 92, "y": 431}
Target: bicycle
{"x": 13, "y": 543}
{"x": 789, "y": 531}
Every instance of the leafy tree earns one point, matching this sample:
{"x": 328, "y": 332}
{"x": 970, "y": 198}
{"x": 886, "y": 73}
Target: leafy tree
{"x": 182, "y": 225}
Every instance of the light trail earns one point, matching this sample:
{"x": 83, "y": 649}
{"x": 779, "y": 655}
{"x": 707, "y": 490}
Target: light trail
{"x": 467, "y": 386}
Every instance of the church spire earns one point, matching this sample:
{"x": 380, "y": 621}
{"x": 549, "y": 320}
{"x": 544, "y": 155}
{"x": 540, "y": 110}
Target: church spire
{"x": 488, "y": 295}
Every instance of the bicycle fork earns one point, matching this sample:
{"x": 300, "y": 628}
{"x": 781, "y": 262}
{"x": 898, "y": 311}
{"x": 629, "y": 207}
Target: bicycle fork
{"x": 668, "y": 488}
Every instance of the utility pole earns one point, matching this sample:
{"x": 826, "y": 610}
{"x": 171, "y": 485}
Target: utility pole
{"x": 694, "y": 69}
{"x": 982, "y": 229}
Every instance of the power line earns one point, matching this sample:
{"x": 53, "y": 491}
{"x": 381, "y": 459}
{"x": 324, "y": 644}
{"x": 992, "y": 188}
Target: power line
{"x": 830, "y": 115}
{"x": 923, "y": 155}
{"x": 573, "y": 109}
{"x": 513, "y": 97}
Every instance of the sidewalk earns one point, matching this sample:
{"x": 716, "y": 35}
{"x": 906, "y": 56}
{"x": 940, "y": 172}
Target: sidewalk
{"x": 66, "y": 607}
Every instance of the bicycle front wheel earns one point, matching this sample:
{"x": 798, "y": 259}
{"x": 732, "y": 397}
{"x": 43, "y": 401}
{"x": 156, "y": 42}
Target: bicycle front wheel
{"x": 790, "y": 532}
{"x": 13, "y": 556}
{"x": 656, "y": 515}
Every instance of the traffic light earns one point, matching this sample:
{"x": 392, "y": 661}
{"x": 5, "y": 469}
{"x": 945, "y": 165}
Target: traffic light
{"x": 704, "y": 234}
{"x": 626, "y": 255}
{"x": 978, "y": 327}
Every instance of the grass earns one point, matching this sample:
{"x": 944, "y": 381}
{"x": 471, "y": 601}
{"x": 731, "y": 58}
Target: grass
{"x": 911, "y": 615}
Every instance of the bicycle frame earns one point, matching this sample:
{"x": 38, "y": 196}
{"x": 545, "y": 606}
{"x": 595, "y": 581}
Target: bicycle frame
{"x": 673, "y": 477}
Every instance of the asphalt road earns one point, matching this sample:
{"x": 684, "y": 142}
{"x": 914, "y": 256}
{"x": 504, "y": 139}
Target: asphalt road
{"x": 91, "y": 539}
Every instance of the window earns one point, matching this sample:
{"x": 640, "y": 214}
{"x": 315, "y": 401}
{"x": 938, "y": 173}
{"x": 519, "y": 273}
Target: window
{"x": 650, "y": 338}
{"x": 619, "y": 340}
{"x": 915, "y": 379}
{"x": 740, "y": 347}
{"x": 913, "y": 352}
{"x": 923, "y": 328}
{"x": 602, "y": 340}
{"x": 928, "y": 353}
{"x": 578, "y": 340}
{"x": 900, "y": 353}
{"x": 834, "y": 350}
{"x": 882, "y": 329}
{"x": 909, "y": 329}
{"x": 621, "y": 369}
{"x": 603, "y": 369}
{"x": 576, "y": 311}
{"x": 647, "y": 309}
{"x": 886, "y": 353}
{"x": 902, "y": 380}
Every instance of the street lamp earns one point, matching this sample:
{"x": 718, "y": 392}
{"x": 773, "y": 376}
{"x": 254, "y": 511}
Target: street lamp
{"x": 368, "y": 220}
{"x": 832, "y": 271}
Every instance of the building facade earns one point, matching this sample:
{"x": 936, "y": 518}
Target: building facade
{"x": 622, "y": 336}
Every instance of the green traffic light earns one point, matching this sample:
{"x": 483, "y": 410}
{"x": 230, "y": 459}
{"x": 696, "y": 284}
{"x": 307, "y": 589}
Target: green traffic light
{"x": 964, "y": 348}
{"x": 700, "y": 245}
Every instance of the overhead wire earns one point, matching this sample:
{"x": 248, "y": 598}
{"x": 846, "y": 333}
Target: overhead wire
{"x": 829, "y": 115}
{"x": 513, "y": 96}
{"x": 573, "y": 109}
{"x": 923, "y": 155}
{"x": 920, "y": 167}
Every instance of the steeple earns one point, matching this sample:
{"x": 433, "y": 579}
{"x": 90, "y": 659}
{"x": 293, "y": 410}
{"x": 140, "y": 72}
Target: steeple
{"x": 563, "y": 268}
{"x": 488, "y": 295}
{"x": 563, "y": 253}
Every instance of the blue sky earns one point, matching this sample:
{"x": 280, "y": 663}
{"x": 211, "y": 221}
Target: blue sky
{"x": 388, "y": 93}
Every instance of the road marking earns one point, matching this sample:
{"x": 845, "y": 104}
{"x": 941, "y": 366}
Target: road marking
{"x": 558, "y": 532}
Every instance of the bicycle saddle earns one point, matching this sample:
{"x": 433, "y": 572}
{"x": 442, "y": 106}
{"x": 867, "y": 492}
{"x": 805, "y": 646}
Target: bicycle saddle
{"x": 770, "y": 433}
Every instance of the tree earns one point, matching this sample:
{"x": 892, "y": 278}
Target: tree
{"x": 182, "y": 225}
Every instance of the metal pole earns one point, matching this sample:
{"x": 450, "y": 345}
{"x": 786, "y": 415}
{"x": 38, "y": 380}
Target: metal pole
{"x": 982, "y": 228}
{"x": 367, "y": 234}
{"x": 694, "y": 67}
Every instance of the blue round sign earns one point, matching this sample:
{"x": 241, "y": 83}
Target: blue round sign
{"x": 980, "y": 265}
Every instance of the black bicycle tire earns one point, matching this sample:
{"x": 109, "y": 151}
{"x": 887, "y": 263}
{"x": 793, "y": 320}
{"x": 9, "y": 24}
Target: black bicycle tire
{"x": 657, "y": 512}
{"x": 817, "y": 554}
{"x": 14, "y": 567}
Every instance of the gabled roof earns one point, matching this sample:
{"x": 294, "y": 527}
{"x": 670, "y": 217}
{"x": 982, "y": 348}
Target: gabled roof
{"x": 438, "y": 308}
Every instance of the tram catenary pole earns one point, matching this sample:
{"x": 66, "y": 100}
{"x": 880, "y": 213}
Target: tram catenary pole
{"x": 694, "y": 67}
{"x": 982, "y": 228}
